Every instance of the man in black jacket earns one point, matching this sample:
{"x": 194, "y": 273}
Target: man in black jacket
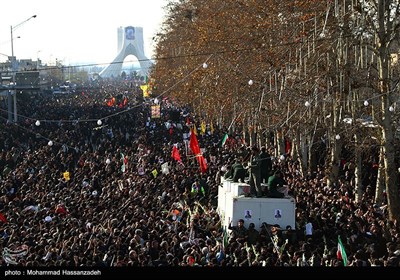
{"x": 237, "y": 171}
{"x": 265, "y": 165}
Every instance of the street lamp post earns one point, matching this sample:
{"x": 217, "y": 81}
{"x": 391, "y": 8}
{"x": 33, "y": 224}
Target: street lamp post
{"x": 14, "y": 70}
{"x": 9, "y": 93}
{"x": 37, "y": 60}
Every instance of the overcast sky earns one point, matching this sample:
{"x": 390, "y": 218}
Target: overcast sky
{"x": 75, "y": 31}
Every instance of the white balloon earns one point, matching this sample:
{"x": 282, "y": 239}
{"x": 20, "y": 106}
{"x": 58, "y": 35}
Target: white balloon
{"x": 391, "y": 109}
{"x": 337, "y": 137}
{"x": 205, "y": 65}
{"x": 48, "y": 219}
{"x": 37, "y": 123}
{"x": 99, "y": 122}
{"x": 50, "y": 143}
{"x": 250, "y": 82}
{"x": 94, "y": 193}
{"x": 307, "y": 104}
{"x": 366, "y": 103}
{"x": 108, "y": 161}
{"x": 282, "y": 157}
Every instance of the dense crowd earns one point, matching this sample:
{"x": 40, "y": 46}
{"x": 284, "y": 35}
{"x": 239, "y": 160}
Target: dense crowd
{"x": 78, "y": 192}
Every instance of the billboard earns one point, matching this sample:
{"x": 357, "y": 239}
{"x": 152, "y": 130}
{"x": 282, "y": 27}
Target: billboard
{"x": 130, "y": 33}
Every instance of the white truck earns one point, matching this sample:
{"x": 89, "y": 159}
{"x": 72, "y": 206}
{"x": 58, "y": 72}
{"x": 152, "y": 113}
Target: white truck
{"x": 233, "y": 204}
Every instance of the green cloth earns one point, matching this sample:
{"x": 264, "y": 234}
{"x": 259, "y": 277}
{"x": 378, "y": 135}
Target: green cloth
{"x": 274, "y": 183}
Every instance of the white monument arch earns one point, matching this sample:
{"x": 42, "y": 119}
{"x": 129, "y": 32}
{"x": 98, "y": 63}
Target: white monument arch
{"x": 130, "y": 42}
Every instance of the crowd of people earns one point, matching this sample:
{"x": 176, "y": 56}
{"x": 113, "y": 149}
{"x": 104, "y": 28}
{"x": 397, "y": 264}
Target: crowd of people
{"x": 78, "y": 192}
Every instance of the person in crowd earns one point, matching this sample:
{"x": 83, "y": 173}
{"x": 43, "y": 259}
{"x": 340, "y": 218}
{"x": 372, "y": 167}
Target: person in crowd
{"x": 239, "y": 233}
{"x": 197, "y": 189}
{"x": 253, "y": 235}
{"x": 277, "y": 186}
{"x": 237, "y": 173}
{"x": 265, "y": 165}
{"x": 255, "y": 172}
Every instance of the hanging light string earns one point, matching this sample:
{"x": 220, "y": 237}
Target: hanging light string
{"x": 307, "y": 103}
{"x": 120, "y": 112}
{"x": 50, "y": 141}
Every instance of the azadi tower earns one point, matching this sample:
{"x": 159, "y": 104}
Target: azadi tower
{"x": 130, "y": 42}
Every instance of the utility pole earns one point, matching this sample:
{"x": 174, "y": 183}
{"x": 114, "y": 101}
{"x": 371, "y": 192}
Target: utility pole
{"x": 14, "y": 71}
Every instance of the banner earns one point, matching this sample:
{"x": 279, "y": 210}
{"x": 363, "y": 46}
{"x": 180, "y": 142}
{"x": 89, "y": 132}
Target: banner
{"x": 145, "y": 89}
{"x": 155, "y": 111}
{"x": 165, "y": 168}
{"x": 66, "y": 176}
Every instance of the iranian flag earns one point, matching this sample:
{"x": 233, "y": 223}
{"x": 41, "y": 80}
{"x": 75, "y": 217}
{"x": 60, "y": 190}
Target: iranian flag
{"x": 224, "y": 139}
{"x": 341, "y": 253}
{"x": 124, "y": 160}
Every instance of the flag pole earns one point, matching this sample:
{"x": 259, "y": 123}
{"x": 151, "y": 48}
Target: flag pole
{"x": 234, "y": 120}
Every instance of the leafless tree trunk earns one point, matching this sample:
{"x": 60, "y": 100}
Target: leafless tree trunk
{"x": 380, "y": 179}
{"x": 386, "y": 31}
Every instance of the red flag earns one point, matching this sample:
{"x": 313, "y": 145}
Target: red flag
{"x": 111, "y": 102}
{"x": 3, "y": 218}
{"x": 203, "y": 164}
{"x": 194, "y": 144}
{"x": 61, "y": 210}
{"x": 175, "y": 154}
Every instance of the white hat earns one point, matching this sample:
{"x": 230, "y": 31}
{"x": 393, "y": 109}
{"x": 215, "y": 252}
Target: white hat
{"x": 48, "y": 219}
